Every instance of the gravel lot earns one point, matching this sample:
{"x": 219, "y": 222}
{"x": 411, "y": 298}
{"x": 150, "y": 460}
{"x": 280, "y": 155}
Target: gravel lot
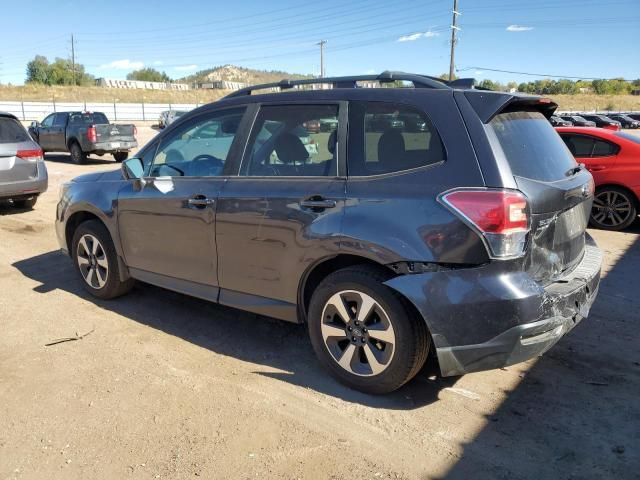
{"x": 168, "y": 386}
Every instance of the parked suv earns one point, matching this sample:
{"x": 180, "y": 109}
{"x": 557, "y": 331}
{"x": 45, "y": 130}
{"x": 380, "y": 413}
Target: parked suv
{"x": 23, "y": 174}
{"x": 464, "y": 237}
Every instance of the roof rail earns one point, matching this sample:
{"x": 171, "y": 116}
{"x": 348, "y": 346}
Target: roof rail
{"x": 419, "y": 81}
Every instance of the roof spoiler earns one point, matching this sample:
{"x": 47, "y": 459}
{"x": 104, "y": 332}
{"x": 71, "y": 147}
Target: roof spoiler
{"x": 489, "y": 104}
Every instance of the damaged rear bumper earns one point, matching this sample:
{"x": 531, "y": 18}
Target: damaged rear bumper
{"x": 513, "y": 317}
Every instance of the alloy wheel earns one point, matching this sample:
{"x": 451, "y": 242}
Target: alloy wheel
{"x": 92, "y": 261}
{"x": 358, "y": 333}
{"x": 611, "y": 208}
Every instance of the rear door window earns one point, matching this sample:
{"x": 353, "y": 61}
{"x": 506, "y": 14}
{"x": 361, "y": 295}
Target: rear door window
{"x": 531, "y": 146}
{"x": 60, "y": 120}
{"x": 293, "y": 141}
{"x": 11, "y": 131}
{"x": 602, "y": 148}
{"x": 580, "y": 146}
{"x": 395, "y": 137}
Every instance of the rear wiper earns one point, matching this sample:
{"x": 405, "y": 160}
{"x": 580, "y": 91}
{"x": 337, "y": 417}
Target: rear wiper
{"x": 572, "y": 171}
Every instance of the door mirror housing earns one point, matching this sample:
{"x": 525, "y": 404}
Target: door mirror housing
{"x": 35, "y": 124}
{"x": 133, "y": 169}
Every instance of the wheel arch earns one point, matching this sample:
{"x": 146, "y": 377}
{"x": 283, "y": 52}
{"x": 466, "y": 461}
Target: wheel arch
{"x": 71, "y": 141}
{"x": 324, "y": 267}
{"x": 82, "y": 216}
{"x": 635, "y": 198}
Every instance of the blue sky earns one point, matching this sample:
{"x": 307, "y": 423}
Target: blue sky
{"x": 583, "y": 38}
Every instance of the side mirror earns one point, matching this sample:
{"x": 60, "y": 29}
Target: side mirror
{"x": 132, "y": 169}
{"x": 35, "y": 124}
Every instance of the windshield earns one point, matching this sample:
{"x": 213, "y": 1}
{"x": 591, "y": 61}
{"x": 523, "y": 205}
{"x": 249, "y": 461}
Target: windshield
{"x": 531, "y": 146}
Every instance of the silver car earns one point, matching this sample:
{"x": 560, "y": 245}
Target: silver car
{"x": 23, "y": 174}
{"x": 172, "y": 116}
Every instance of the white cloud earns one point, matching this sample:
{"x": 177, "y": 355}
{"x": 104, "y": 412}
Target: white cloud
{"x": 371, "y": 71}
{"x": 410, "y": 38}
{"x": 518, "y": 28}
{"x": 415, "y": 36}
{"x": 478, "y": 72}
{"x": 158, "y": 62}
{"x": 123, "y": 65}
{"x": 184, "y": 68}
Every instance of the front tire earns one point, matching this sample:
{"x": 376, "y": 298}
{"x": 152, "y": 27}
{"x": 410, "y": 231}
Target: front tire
{"x": 77, "y": 155}
{"x": 96, "y": 261}
{"x": 120, "y": 156}
{"x": 365, "y": 333}
{"x": 613, "y": 208}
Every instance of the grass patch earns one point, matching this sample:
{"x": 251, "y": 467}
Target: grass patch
{"x": 35, "y": 93}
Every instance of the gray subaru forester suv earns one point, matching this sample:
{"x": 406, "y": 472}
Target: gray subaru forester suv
{"x": 438, "y": 218}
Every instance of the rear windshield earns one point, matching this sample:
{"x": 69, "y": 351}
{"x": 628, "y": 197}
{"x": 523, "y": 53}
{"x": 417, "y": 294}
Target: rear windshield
{"x": 11, "y": 131}
{"x": 531, "y": 146}
{"x": 88, "y": 118}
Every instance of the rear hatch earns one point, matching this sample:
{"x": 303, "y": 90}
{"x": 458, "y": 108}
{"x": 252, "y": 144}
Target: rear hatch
{"x": 559, "y": 192}
{"x": 14, "y": 139}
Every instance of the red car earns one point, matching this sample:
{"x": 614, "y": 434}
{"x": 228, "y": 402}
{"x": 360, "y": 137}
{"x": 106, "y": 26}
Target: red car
{"x": 613, "y": 158}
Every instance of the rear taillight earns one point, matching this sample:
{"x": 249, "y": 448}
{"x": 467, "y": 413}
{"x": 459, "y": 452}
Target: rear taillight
{"x": 92, "y": 136}
{"x": 501, "y": 217}
{"x": 34, "y": 155}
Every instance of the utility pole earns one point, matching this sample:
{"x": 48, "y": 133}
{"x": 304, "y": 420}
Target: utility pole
{"x": 321, "y": 43}
{"x": 73, "y": 60}
{"x": 454, "y": 29}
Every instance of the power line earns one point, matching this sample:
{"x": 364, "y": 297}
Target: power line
{"x": 539, "y": 74}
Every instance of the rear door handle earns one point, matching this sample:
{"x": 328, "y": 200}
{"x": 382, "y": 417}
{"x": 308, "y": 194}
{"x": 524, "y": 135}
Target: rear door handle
{"x": 596, "y": 168}
{"x": 317, "y": 203}
{"x": 200, "y": 201}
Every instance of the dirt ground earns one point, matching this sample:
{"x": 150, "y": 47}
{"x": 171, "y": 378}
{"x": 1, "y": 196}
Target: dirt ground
{"x": 171, "y": 387}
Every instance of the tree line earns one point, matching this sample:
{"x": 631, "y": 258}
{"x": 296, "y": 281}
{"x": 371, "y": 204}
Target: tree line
{"x": 616, "y": 86}
{"x": 63, "y": 72}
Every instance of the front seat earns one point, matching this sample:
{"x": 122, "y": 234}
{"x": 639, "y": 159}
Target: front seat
{"x": 391, "y": 151}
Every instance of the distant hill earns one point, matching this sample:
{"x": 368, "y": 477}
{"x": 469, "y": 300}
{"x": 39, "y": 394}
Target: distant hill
{"x": 249, "y": 76}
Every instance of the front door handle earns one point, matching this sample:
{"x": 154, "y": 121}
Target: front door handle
{"x": 200, "y": 201}
{"x": 596, "y": 168}
{"x": 317, "y": 203}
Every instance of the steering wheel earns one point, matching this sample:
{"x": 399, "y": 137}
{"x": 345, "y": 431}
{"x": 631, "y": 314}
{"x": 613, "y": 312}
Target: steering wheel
{"x": 214, "y": 164}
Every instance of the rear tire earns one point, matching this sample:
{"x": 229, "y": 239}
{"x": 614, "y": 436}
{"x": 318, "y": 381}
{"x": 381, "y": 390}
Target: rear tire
{"x": 120, "y": 156}
{"x": 613, "y": 208}
{"x": 25, "y": 202}
{"x": 77, "y": 155}
{"x": 96, "y": 261}
{"x": 381, "y": 346}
